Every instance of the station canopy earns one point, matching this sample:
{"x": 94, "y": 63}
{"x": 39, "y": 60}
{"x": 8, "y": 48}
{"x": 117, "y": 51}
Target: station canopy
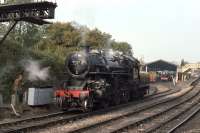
{"x": 161, "y": 65}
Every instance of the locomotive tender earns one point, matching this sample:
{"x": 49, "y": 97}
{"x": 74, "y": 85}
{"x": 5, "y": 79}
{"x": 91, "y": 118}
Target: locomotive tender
{"x": 99, "y": 78}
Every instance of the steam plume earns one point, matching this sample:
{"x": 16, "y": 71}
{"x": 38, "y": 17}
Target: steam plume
{"x": 35, "y": 72}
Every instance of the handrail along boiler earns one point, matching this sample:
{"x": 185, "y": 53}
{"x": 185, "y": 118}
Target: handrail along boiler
{"x": 99, "y": 78}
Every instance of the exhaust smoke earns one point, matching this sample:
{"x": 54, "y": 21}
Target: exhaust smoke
{"x": 35, "y": 72}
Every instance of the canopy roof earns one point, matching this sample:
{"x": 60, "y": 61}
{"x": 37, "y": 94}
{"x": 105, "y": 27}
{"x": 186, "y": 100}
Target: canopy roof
{"x": 161, "y": 65}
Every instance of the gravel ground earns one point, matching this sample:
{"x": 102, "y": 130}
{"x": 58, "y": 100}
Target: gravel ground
{"x": 8, "y": 115}
{"x": 164, "y": 86}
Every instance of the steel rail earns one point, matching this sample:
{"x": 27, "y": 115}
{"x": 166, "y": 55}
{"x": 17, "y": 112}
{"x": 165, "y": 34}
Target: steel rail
{"x": 68, "y": 119}
{"x": 154, "y": 128}
{"x": 137, "y": 110}
{"x": 148, "y": 97}
{"x": 73, "y": 118}
{"x": 185, "y": 120}
{"x": 31, "y": 118}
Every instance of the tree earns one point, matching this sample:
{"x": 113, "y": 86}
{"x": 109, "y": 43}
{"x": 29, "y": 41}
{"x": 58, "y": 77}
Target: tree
{"x": 63, "y": 34}
{"x": 123, "y": 47}
{"x": 97, "y": 39}
{"x": 183, "y": 62}
{"x": 2, "y": 29}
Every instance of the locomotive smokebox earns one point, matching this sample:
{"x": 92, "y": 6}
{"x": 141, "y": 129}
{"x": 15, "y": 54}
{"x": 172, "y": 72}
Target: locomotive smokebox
{"x": 77, "y": 65}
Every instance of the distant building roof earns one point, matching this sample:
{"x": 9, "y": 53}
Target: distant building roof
{"x": 161, "y": 65}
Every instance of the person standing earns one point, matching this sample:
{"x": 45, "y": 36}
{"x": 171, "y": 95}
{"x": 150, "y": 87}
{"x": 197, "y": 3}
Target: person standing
{"x": 17, "y": 97}
{"x": 174, "y": 80}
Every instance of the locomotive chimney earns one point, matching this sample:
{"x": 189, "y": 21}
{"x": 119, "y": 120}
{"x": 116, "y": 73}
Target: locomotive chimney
{"x": 86, "y": 48}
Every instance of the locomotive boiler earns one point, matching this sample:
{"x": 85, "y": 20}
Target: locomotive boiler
{"x": 99, "y": 78}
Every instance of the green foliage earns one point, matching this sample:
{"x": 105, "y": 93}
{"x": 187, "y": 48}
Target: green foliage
{"x": 123, "y": 47}
{"x": 63, "y": 34}
{"x": 97, "y": 39}
{"x": 10, "y": 55}
{"x": 49, "y": 45}
{"x": 2, "y": 28}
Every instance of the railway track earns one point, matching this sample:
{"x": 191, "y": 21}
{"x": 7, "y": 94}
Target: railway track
{"x": 136, "y": 117}
{"x": 155, "y": 122}
{"x": 65, "y": 117}
{"x": 191, "y": 115}
{"x": 90, "y": 124}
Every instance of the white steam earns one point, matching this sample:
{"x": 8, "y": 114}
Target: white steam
{"x": 35, "y": 72}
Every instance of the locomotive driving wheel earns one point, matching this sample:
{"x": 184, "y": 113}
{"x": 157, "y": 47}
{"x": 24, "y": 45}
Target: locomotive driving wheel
{"x": 88, "y": 104}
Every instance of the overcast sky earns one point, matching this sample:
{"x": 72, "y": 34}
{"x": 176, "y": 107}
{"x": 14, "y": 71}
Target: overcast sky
{"x": 156, "y": 29}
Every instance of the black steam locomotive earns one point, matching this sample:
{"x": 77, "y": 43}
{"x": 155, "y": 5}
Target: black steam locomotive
{"x": 100, "y": 78}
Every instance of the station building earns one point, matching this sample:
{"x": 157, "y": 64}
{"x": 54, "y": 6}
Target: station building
{"x": 160, "y": 69}
{"x": 161, "y": 65}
